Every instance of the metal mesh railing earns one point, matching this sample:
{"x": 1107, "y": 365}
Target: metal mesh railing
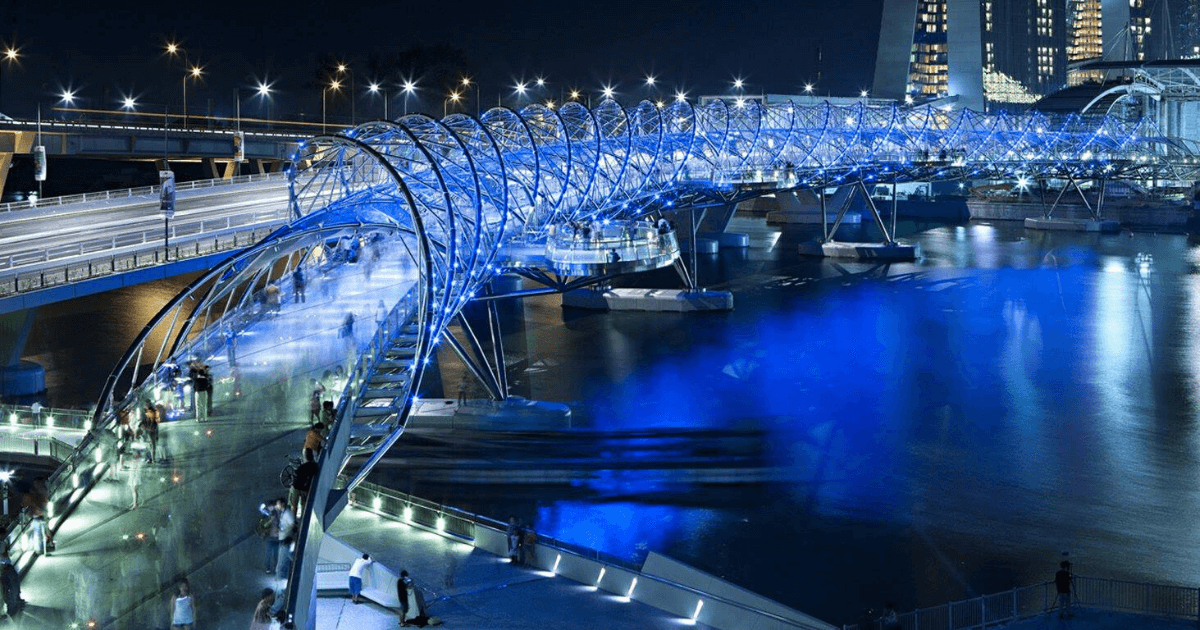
{"x": 1142, "y": 598}
{"x": 141, "y": 191}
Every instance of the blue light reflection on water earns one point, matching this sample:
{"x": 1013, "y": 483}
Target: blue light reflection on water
{"x": 1010, "y": 396}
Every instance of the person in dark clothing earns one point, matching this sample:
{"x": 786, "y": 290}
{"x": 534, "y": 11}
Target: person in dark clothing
{"x": 1063, "y": 581}
{"x": 201, "y": 384}
{"x": 412, "y": 604}
{"x": 10, "y": 581}
{"x": 347, "y": 326}
{"x": 305, "y": 474}
{"x": 298, "y": 284}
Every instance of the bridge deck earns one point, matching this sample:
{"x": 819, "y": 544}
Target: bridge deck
{"x": 197, "y": 510}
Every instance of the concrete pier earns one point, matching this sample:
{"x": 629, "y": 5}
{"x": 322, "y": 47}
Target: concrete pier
{"x": 671, "y": 300}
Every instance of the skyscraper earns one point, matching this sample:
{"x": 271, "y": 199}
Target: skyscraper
{"x": 1007, "y": 53}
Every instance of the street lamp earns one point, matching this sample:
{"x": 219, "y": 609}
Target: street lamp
{"x": 193, "y": 73}
{"x": 452, "y": 98}
{"x": 467, "y": 84}
{"x": 808, "y": 88}
{"x": 680, "y": 96}
{"x": 607, "y": 91}
{"x": 408, "y": 88}
{"x": 128, "y": 103}
{"x": 374, "y": 89}
{"x": 263, "y": 90}
{"x": 334, "y": 85}
{"x": 342, "y": 68}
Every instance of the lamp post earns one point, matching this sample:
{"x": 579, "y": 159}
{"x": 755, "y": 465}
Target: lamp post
{"x": 345, "y": 69}
{"x": 334, "y": 85}
{"x": 408, "y": 88}
{"x": 454, "y": 97}
{"x": 263, "y": 90}
{"x": 467, "y": 84}
{"x": 374, "y": 89}
{"x": 193, "y": 73}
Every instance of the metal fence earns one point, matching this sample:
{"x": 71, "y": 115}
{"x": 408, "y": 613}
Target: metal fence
{"x": 143, "y": 191}
{"x": 1142, "y": 598}
{"x": 26, "y": 417}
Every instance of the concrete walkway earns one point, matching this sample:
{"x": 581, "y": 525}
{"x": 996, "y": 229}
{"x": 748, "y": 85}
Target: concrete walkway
{"x": 470, "y": 589}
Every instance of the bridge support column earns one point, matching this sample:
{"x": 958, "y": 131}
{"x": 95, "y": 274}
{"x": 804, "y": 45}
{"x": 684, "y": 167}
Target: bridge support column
{"x": 12, "y": 143}
{"x": 888, "y": 250}
{"x": 1095, "y": 224}
{"x": 18, "y": 379}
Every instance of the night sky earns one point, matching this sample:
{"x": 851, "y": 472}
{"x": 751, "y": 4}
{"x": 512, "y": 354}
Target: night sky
{"x": 116, "y": 48}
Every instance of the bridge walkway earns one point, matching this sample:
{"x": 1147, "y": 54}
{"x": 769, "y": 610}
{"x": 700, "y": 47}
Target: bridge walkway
{"x": 197, "y": 510}
{"x": 471, "y": 589}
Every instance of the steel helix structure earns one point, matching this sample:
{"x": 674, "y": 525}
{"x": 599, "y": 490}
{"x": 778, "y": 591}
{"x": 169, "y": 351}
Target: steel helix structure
{"x": 438, "y": 201}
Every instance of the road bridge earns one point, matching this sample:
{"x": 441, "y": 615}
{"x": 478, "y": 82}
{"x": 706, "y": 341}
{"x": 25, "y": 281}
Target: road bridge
{"x": 397, "y": 226}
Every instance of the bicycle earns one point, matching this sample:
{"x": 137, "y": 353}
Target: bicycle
{"x": 288, "y": 474}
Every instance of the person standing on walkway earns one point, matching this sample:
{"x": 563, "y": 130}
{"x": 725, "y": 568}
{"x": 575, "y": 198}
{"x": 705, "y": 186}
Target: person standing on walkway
{"x": 412, "y": 603}
{"x": 1063, "y": 581}
{"x": 271, "y": 532}
{"x": 262, "y": 618}
{"x": 10, "y": 581}
{"x": 356, "y": 574}
{"x": 135, "y": 479}
{"x": 183, "y": 607}
{"x": 298, "y": 284}
{"x": 305, "y": 473}
{"x": 514, "y": 539}
{"x": 149, "y": 429}
{"x": 201, "y": 384}
{"x": 314, "y": 440}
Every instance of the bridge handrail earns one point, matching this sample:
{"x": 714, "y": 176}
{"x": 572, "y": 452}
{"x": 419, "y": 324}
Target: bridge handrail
{"x": 45, "y": 417}
{"x": 1142, "y": 598}
{"x": 467, "y": 521}
{"x": 141, "y": 191}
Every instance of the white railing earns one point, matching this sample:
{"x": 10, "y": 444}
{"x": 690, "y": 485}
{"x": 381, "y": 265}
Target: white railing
{"x": 141, "y": 237}
{"x": 143, "y": 191}
{"x": 1141, "y": 598}
{"x": 28, "y": 417}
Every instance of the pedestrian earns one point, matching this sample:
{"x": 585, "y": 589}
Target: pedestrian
{"x": 273, "y": 298}
{"x": 269, "y": 529}
{"x": 347, "y": 330}
{"x": 314, "y": 440}
{"x": 283, "y": 568}
{"x": 301, "y": 482}
{"x": 298, "y": 284}
{"x": 514, "y": 539}
{"x": 314, "y": 406}
{"x": 1063, "y": 580}
{"x": 412, "y": 603}
{"x": 135, "y": 479}
{"x": 327, "y": 414}
{"x": 356, "y": 574}
{"x": 380, "y": 313}
{"x": 201, "y": 388}
{"x": 149, "y": 429}
{"x": 183, "y": 607}
{"x": 262, "y": 618}
{"x": 10, "y": 582}
{"x": 124, "y": 436}
{"x": 529, "y": 547}
{"x": 287, "y": 522}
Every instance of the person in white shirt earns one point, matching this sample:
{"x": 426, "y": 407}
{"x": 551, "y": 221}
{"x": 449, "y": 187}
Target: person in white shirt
{"x": 356, "y": 573}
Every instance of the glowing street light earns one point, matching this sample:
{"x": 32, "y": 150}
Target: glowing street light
{"x": 342, "y": 68}
{"x": 520, "y": 88}
{"x": 680, "y": 97}
{"x": 863, "y": 94}
{"x": 541, "y": 82}
{"x": 263, "y": 90}
{"x": 194, "y": 73}
{"x": 738, "y": 83}
{"x": 334, "y": 85}
{"x": 408, "y": 87}
{"x": 374, "y": 89}
{"x": 650, "y": 80}
{"x": 453, "y": 97}
{"x": 608, "y": 91}
{"x": 575, "y": 95}
{"x": 68, "y": 97}
{"x": 467, "y": 84}
{"x": 808, "y": 88}
{"x": 11, "y": 56}
{"x": 128, "y": 103}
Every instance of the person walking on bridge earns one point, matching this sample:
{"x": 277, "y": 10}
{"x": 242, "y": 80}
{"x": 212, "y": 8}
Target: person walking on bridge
{"x": 298, "y": 284}
{"x": 1063, "y": 583}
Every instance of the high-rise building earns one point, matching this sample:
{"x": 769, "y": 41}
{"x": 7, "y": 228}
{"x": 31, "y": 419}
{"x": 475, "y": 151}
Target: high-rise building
{"x": 1008, "y": 53}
